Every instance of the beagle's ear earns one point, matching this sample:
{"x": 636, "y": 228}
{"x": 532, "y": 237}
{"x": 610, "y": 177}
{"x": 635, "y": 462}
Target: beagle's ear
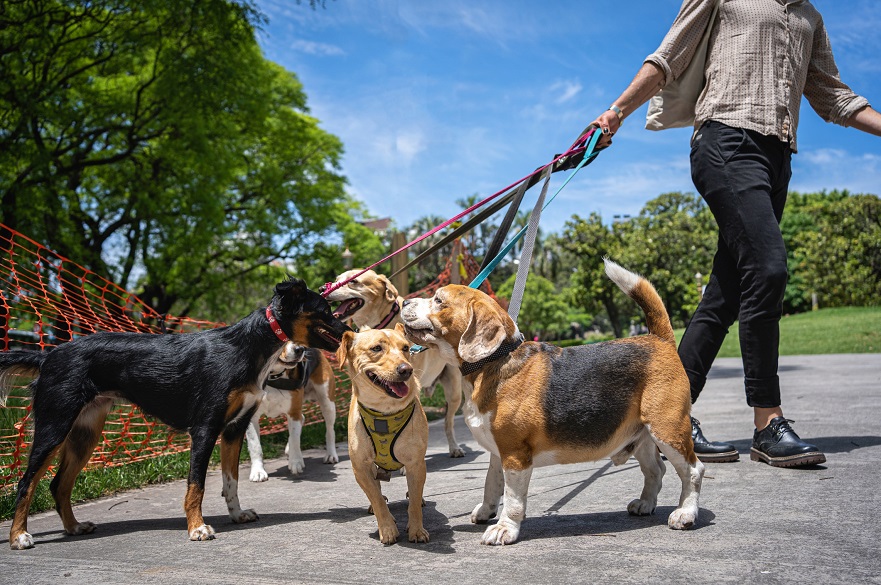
{"x": 484, "y": 334}
{"x": 391, "y": 293}
{"x": 342, "y": 352}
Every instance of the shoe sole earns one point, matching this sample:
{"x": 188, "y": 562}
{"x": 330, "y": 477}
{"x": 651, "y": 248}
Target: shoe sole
{"x": 801, "y": 460}
{"x": 727, "y": 457}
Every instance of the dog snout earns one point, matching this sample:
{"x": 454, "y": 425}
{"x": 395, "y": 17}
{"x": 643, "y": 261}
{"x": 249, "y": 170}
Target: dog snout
{"x": 404, "y": 371}
{"x": 406, "y": 302}
{"x": 321, "y": 289}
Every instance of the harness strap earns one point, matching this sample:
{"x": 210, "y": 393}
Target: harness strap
{"x": 384, "y": 430}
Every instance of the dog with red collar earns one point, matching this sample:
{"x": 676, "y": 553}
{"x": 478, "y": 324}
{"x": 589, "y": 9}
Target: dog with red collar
{"x": 533, "y": 404}
{"x": 207, "y": 383}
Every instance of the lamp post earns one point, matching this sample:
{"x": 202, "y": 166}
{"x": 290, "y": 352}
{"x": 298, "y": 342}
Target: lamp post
{"x": 699, "y": 278}
{"x": 347, "y": 258}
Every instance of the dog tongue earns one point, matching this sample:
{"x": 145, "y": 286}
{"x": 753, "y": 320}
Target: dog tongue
{"x": 399, "y": 388}
{"x": 344, "y": 306}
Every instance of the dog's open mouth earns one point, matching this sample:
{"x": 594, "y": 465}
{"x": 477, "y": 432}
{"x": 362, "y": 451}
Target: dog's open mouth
{"x": 327, "y": 335}
{"x": 348, "y": 307}
{"x": 393, "y": 389}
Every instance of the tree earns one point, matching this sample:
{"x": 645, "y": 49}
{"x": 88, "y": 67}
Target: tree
{"x": 671, "y": 240}
{"x": 589, "y": 240}
{"x": 543, "y": 311}
{"x": 151, "y": 142}
{"x": 839, "y": 258}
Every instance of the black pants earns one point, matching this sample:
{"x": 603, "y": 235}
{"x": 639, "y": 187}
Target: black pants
{"x": 744, "y": 177}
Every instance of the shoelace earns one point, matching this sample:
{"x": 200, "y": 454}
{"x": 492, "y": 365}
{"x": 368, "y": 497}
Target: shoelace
{"x": 783, "y": 427}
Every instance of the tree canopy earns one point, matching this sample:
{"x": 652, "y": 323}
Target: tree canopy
{"x": 152, "y": 142}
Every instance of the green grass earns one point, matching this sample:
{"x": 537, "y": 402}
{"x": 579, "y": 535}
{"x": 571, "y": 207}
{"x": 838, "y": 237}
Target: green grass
{"x": 843, "y": 330}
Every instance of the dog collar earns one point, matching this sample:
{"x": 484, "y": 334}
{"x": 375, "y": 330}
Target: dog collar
{"x": 391, "y": 315}
{"x": 384, "y": 430}
{"x": 504, "y": 349}
{"x": 276, "y": 328}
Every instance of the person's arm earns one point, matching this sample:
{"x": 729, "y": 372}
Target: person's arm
{"x": 867, "y": 120}
{"x": 648, "y": 81}
{"x": 830, "y": 97}
{"x": 661, "y": 67}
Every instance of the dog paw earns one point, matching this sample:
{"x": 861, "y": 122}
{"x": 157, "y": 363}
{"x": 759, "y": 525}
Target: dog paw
{"x": 457, "y": 452}
{"x": 388, "y": 533}
{"x": 203, "y": 532}
{"x": 82, "y": 528}
{"x": 244, "y": 516}
{"x": 482, "y": 513}
{"x": 21, "y": 542}
{"x": 259, "y": 475}
{"x": 499, "y": 534}
{"x": 418, "y": 534}
{"x": 296, "y": 466}
{"x": 640, "y": 508}
{"x": 682, "y": 519}
{"x": 332, "y": 458}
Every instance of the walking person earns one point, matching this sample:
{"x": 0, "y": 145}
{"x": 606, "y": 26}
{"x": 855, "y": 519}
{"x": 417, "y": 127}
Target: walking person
{"x": 761, "y": 56}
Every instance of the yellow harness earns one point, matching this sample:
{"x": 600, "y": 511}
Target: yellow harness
{"x": 384, "y": 430}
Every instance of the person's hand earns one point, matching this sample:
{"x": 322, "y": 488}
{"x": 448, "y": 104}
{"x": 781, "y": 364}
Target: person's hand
{"x": 608, "y": 123}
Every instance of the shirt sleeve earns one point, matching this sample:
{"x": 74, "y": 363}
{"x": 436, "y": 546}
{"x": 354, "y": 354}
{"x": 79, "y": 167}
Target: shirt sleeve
{"x": 831, "y": 98}
{"x": 681, "y": 41}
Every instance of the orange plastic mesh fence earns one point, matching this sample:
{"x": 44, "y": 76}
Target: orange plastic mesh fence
{"x": 45, "y": 300}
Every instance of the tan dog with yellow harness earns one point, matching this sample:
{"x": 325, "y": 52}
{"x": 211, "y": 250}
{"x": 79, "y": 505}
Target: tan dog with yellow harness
{"x": 533, "y": 404}
{"x": 387, "y": 426}
{"x": 371, "y": 301}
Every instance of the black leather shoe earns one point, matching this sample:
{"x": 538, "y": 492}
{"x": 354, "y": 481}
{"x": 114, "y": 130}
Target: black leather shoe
{"x": 778, "y": 445}
{"x": 711, "y": 451}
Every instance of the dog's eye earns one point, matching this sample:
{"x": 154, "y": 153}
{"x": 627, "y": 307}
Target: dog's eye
{"x": 437, "y": 300}
{"x": 376, "y": 348}
{"x": 405, "y": 349}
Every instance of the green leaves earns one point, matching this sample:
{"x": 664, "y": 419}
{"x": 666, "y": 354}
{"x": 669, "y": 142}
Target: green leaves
{"x": 152, "y": 142}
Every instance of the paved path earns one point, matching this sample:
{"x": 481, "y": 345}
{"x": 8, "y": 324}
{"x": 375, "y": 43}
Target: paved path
{"x": 758, "y": 524}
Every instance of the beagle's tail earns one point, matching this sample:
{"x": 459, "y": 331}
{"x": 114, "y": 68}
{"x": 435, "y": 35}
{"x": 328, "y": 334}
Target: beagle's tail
{"x": 18, "y": 363}
{"x": 640, "y": 290}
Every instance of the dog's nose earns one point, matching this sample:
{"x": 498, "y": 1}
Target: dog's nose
{"x": 405, "y": 370}
{"x": 322, "y": 288}
{"x": 406, "y": 302}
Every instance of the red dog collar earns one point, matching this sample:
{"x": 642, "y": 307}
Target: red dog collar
{"x": 276, "y": 328}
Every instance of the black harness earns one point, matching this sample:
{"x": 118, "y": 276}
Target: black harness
{"x": 296, "y": 377}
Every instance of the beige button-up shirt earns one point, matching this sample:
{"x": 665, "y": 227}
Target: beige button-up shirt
{"x": 762, "y": 56}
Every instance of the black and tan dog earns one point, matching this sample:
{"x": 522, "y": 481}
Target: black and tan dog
{"x": 387, "y": 426}
{"x": 207, "y": 383}
{"x": 533, "y": 404}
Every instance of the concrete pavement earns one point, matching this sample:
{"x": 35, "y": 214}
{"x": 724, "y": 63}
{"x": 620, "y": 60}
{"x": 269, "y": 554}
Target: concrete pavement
{"x": 758, "y": 524}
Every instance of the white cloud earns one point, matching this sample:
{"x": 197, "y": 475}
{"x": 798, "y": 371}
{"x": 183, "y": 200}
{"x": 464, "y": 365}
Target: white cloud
{"x": 567, "y": 90}
{"x": 314, "y": 48}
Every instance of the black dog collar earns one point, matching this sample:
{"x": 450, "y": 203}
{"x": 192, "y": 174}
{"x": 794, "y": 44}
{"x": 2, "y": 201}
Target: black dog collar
{"x": 504, "y": 349}
{"x": 388, "y": 318}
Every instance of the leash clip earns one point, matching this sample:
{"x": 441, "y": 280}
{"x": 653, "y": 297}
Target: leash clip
{"x": 414, "y": 349}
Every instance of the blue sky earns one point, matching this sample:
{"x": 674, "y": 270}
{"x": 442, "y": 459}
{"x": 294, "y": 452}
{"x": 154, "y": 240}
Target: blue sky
{"x": 436, "y": 101}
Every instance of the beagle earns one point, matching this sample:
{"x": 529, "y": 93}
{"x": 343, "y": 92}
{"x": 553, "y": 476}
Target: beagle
{"x": 533, "y": 404}
{"x": 372, "y": 301}
{"x": 387, "y": 426}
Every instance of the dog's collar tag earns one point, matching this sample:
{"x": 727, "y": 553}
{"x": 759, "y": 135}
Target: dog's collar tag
{"x": 276, "y": 328}
{"x": 504, "y": 349}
